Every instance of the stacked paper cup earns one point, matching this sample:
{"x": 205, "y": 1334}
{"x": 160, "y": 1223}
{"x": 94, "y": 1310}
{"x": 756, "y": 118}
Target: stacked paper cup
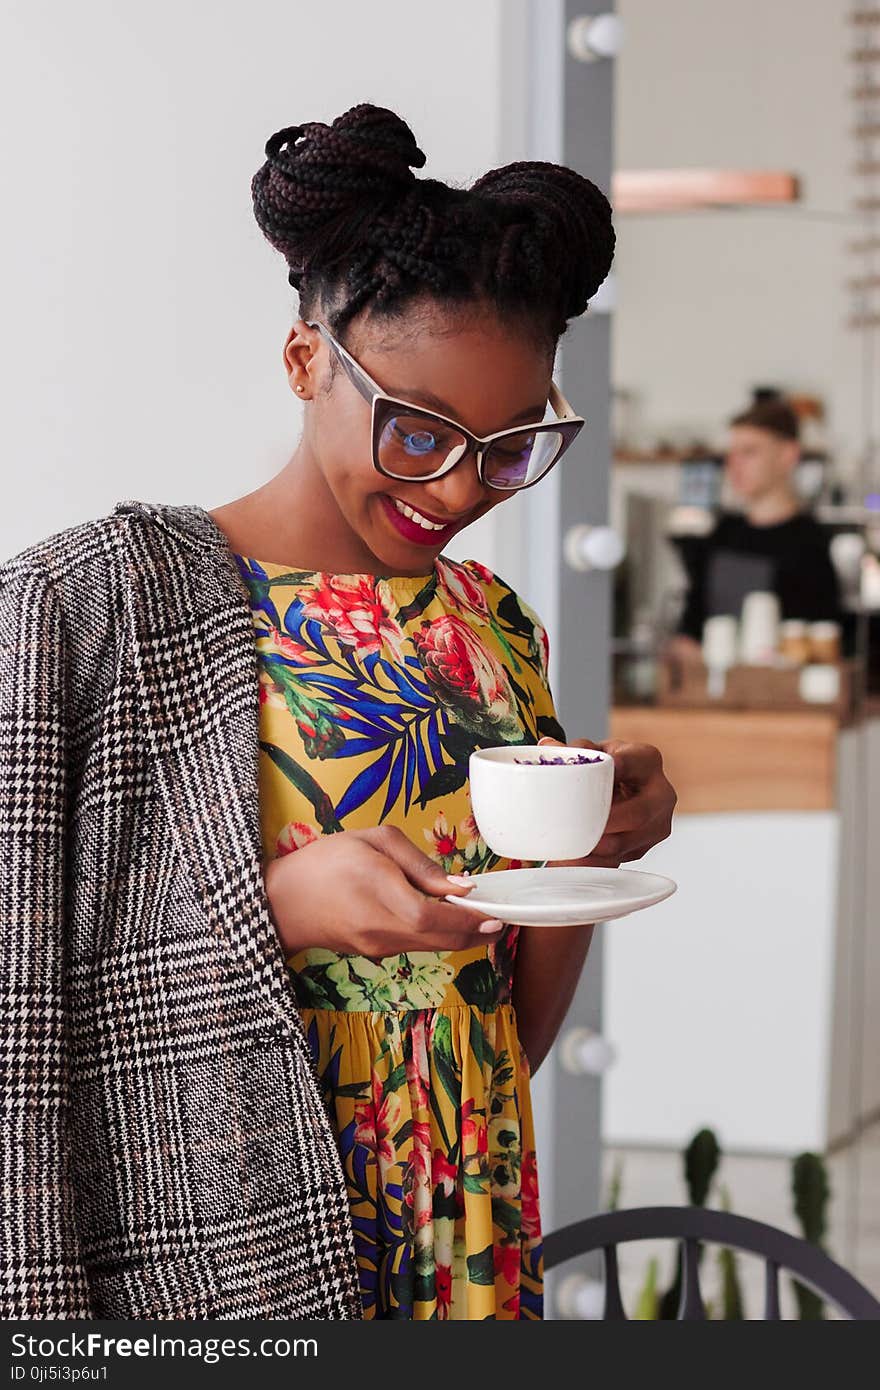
{"x": 719, "y": 652}
{"x": 759, "y": 629}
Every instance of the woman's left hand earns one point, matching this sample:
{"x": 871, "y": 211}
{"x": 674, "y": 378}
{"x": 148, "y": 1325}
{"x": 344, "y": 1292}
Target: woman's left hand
{"x": 644, "y": 800}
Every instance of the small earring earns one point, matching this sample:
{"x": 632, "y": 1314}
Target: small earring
{"x": 300, "y": 388}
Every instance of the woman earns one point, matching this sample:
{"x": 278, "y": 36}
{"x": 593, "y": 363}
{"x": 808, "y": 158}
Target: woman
{"x": 234, "y": 799}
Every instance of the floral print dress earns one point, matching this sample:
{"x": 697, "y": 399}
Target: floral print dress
{"x": 373, "y": 693}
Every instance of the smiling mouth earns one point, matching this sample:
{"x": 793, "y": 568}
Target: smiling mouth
{"x": 417, "y": 527}
{"x": 427, "y": 523}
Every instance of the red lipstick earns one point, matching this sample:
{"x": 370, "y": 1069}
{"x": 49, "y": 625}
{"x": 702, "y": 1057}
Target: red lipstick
{"x": 412, "y": 530}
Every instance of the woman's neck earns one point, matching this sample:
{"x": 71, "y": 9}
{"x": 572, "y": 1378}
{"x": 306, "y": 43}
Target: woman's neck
{"x": 294, "y": 520}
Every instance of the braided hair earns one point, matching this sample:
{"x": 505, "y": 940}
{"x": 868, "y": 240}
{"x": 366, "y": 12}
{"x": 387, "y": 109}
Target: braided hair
{"x": 358, "y": 229}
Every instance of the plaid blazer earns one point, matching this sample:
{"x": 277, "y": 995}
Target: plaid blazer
{"x": 165, "y": 1149}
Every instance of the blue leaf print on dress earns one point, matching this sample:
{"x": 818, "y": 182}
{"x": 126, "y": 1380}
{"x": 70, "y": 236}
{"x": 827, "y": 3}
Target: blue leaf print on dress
{"x": 395, "y": 780}
{"x": 366, "y": 784}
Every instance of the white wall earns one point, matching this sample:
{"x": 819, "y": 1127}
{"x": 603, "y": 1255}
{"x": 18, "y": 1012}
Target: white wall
{"x": 713, "y": 302}
{"x": 720, "y": 999}
{"x": 144, "y": 314}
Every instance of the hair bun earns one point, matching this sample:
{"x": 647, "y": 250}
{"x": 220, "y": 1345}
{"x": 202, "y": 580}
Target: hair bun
{"x": 320, "y": 181}
{"x": 554, "y": 216}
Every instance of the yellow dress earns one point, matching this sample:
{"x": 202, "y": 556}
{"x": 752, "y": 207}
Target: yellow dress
{"x": 373, "y": 693}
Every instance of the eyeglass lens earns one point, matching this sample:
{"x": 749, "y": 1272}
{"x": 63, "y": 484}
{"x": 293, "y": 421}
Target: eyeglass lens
{"x": 417, "y": 446}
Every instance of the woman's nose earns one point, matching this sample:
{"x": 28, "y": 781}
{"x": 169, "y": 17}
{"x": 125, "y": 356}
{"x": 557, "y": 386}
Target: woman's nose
{"x": 459, "y": 491}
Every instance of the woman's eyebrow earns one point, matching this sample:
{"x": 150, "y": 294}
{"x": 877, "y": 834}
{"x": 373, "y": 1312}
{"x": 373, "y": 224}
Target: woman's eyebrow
{"x": 532, "y": 414}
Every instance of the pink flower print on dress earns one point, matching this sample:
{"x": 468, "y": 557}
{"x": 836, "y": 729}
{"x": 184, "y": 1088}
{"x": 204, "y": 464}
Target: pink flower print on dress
{"x": 461, "y": 589}
{"x": 376, "y": 1122}
{"x": 417, "y": 1190}
{"x": 473, "y": 1128}
{"x": 507, "y": 1263}
{"x": 528, "y": 1178}
{"x": 483, "y": 573}
{"x": 274, "y": 641}
{"x": 473, "y": 845}
{"x": 443, "y": 1284}
{"x": 270, "y": 692}
{"x": 442, "y": 837}
{"x": 465, "y": 674}
{"x": 444, "y": 1173}
{"x": 417, "y": 1074}
{"x": 295, "y": 835}
{"x": 357, "y": 612}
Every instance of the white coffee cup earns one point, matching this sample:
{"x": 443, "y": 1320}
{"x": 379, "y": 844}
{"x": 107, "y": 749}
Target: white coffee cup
{"x": 525, "y": 809}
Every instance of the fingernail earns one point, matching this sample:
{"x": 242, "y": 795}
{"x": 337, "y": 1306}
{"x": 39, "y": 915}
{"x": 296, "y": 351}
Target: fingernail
{"x": 464, "y": 880}
{"x": 490, "y": 925}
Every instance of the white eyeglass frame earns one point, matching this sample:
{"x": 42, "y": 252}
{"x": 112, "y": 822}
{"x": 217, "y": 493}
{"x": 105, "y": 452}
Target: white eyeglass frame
{"x": 567, "y": 424}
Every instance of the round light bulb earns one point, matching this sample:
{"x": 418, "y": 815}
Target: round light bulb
{"x": 595, "y": 36}
{"x": 593, "y": 548}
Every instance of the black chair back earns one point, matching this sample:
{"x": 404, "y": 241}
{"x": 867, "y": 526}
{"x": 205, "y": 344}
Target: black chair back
{"x": 692, "y": 1226}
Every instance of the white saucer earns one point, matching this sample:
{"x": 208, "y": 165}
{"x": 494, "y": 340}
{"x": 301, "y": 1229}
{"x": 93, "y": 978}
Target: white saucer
{"x": 564, "y": 897}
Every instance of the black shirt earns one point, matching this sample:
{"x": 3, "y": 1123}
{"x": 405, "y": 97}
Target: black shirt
{"x": 789, "y": 559}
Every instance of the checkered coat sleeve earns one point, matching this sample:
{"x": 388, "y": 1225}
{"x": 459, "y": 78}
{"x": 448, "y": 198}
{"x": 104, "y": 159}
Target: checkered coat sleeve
{"x": 43, "y": 1274}
{"x": 164, "y": 1150}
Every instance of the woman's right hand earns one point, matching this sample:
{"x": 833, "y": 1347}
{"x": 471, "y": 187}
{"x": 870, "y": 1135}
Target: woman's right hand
{"x": 369, "y": 893}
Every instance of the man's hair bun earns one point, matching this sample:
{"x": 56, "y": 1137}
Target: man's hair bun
{"x": 322, "y": 180}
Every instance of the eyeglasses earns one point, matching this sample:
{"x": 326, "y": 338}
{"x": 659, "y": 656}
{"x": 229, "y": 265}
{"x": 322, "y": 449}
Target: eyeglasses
{"x": 414, "y": 444}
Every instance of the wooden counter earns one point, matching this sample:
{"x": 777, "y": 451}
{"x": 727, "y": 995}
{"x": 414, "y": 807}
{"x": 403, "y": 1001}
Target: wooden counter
{"x": 738, "y": 760}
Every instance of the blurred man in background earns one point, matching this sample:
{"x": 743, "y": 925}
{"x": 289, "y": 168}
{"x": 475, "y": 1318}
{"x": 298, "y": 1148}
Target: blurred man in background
{"x": 772, "y": 545}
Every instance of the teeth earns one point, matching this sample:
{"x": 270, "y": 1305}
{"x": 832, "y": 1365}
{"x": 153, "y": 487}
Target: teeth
{"x": 422, "y": 521}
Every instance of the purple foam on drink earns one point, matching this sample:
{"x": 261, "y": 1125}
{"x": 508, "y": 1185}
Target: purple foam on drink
{"x": 557, "y": 761}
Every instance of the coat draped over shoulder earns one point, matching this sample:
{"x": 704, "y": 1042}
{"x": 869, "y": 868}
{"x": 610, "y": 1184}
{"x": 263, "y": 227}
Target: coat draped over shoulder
{"x": 165, "y": 1151}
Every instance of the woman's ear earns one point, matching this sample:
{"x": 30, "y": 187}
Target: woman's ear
{"x": 300, "y": 350}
